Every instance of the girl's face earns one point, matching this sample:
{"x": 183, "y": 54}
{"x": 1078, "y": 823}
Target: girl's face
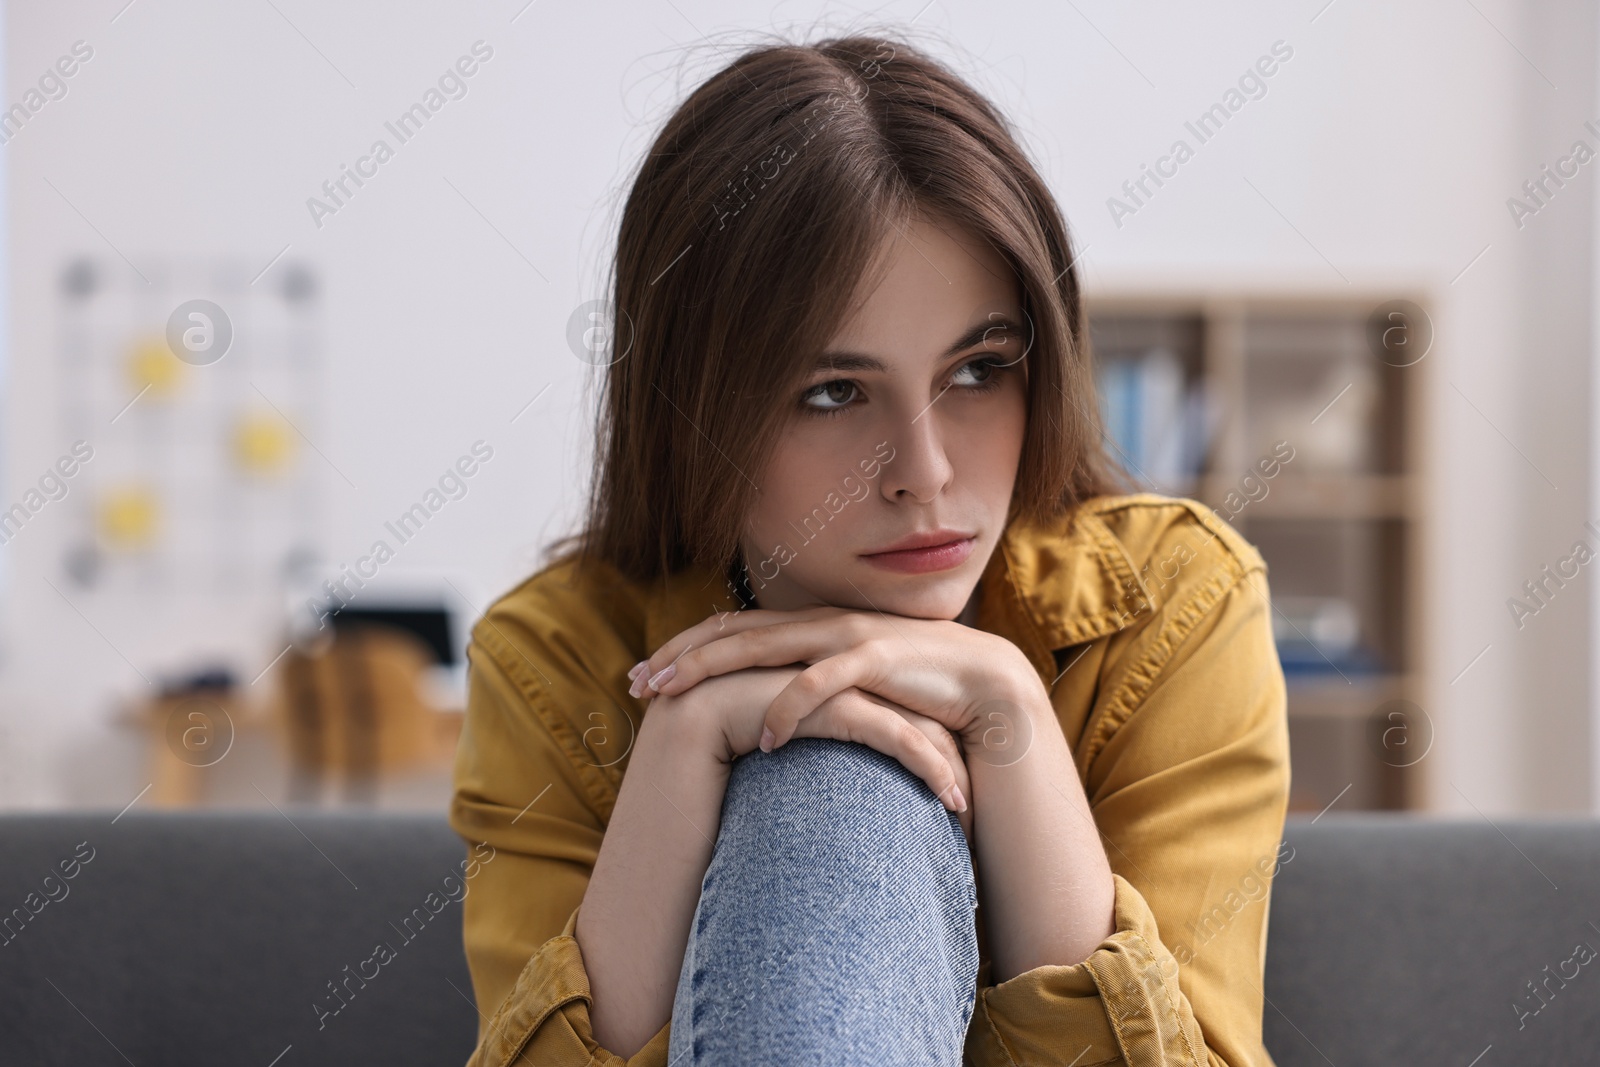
{"x": 911, "y": 428}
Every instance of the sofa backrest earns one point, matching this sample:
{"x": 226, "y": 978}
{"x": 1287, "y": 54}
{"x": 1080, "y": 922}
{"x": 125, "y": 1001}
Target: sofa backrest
{"x": 1410, "y": 940}
{"x": 203, "y": 938}
{"x": 199, "y": 938}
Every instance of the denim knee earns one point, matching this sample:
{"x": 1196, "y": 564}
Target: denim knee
{"x": 835, "y": 920}
{"x": 845, "y": 778}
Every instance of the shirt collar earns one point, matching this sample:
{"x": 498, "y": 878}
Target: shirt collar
{"x": 1047, "y": 586}
{"x": 1074, "y": 577}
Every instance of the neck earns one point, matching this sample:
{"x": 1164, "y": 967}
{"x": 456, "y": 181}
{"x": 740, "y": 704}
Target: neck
{"x": 969, "y": 614}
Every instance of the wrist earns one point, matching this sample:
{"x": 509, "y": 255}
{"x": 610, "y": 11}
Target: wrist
{"x": 683, "y": 734}
{"x": 1011, "y": 706}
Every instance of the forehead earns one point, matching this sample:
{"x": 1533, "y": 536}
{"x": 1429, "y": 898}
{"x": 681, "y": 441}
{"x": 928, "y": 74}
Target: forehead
{"x": 930, "y": 282}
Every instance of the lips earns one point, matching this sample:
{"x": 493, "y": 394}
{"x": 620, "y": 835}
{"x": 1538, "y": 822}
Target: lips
{"x": 930, "y": 539}
{"x": 940, "y": 551}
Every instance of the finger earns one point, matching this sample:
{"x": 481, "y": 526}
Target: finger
{"x": 852, "y": 717}
{"x": 872, "y": 667}
{"x": 705, "y": 632}
{"x": 781, "y": 639}
{"x": 815, "y": 685}
{"x": 945, "y": 742}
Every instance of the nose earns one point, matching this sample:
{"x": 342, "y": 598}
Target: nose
{"x": 921, "y": 468}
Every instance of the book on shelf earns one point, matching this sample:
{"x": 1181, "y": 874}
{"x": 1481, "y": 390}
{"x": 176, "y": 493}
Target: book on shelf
{"x": 1321, "y": 635}
{"x": 1159, "y": 421}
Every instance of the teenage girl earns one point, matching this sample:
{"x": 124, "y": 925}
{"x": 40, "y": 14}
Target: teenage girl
{"x": 868, "y": 720}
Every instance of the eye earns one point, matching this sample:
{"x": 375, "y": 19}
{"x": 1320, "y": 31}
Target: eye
{"x": 839, "y": 391}
{"x": 988, "y": 369}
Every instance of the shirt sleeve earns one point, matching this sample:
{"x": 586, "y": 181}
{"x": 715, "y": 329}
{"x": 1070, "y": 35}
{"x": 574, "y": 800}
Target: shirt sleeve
{"x": 528, "y": 787}
{"x": 1188, "y": 779}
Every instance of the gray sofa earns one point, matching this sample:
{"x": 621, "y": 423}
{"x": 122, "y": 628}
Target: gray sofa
{"x": 169, "y": 940}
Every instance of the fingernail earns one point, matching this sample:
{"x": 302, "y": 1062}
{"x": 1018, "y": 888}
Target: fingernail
{"x": 961, "y": 801}
{"x": 663, "y": 675}
{"x": 767, "y": 738}
{"x": 636, "y": 678}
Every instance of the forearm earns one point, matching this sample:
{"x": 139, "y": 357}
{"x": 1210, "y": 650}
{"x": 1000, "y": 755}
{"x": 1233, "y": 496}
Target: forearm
{"x": 633, "y": 924}
{"x": 1048, "y": 892}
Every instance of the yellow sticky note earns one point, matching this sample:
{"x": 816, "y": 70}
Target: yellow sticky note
{"x": 152, "y": 364}
{"x": 262, "y": 444}
{"x": 129, "y": 517}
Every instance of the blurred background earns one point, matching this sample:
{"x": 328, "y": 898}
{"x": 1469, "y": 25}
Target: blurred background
{"x": 1340, "y": 264}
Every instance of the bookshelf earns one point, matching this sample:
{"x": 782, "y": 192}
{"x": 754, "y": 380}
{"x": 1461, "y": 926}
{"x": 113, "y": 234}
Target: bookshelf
{"x": 1297, "y": 419}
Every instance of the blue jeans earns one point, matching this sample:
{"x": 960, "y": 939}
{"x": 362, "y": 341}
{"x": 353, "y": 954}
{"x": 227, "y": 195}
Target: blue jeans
{"x": 835, "y": 923}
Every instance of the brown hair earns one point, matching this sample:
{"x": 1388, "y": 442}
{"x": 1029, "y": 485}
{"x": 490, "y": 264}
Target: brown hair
{"x": 757, "y": 210}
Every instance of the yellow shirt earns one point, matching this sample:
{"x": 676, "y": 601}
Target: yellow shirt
{"x": 1146, "y": 616}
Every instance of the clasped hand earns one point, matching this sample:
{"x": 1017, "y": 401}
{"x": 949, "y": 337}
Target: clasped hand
{"x": 929, "y": 692}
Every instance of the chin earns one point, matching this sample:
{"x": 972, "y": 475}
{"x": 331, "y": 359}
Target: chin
{"x": 916, "y": 596}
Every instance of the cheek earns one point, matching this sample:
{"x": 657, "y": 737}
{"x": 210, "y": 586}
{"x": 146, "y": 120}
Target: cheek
{"x": 987, "y": 454}
{"x": 798, "y": 480}
{"x": 766, "y": 518}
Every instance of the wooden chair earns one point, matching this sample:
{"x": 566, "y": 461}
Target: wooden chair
{"x": 355, "y": 710}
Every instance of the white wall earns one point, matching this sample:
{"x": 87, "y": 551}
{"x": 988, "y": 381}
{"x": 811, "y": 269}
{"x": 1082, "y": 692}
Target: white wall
{"x": 1390, "y": 140}
{"x": 1549, "y": 366}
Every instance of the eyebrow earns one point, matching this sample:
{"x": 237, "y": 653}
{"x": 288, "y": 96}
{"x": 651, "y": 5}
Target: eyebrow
{"x": 860, "y": 361}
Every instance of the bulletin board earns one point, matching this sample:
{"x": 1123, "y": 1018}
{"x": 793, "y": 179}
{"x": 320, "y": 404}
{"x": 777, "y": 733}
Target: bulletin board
{"x": 205, "y": 479}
